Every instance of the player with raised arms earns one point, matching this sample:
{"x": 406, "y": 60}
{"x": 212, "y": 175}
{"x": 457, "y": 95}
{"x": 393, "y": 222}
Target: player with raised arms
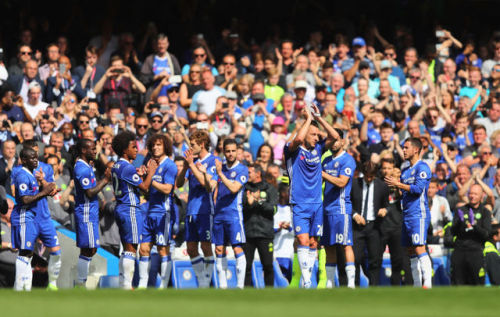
{"x": 415, "y": 179}
{"x": 127, "y": 181}
{"x": 202, "y": 178}
{"x": 303, "y": 163}
{"x": 87, "y": 205}
{"x": 338, "y": 171}
{"x": 157, "y": 225}
{"x": 228, "y": 216}
{"x": 29, "y": 202}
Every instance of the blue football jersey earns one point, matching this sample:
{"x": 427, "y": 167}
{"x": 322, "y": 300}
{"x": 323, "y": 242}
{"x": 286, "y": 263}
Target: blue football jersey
{"x": 84, "y": 179}
{"x": 44, "y": 212}
{"x": 125, "y": 182}
{"x": 228, "y": 206}
{"x": 25, "y": 185}
{"x": 304, "y": 171}
{"x": 165, "y": 173}
{"x": 338, "y": 200}
{"x": 415, "y": 202}
{"x": 200, "y": 200}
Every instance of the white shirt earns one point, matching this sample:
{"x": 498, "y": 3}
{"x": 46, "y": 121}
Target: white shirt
{"x": 370, "y": 213}
{"x": 34, "y": 109}
{"x": 283, "y": 239}
{"x": 438, "y": 203}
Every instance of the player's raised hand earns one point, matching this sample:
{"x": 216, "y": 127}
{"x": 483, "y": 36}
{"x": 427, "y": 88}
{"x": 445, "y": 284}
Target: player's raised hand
{"x": 141, "y": 170}
{"x": 218, "y": 166}
{"x": 188, "y": 155}
{"x": 152, "y": 166}
{"x": 201, "y": 167}
{"x": 40, "y": 175}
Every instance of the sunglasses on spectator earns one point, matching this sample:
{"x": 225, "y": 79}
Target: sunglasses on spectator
{"x": 194, "y": 71}
{"x": 156, "y": 121}
{"x": 199, "y": 55}
{"x": 173, "y": 90}
{"x": 227, "y": 63}
{"x": 25, "y": 53}
{"x": 72, "y": 100}
{"x": 389, "y": 54}
{"x": 140, "y": 126}
{"x": 415, "y": 77}
{"x": 486, "y": 153}
{"x": 81, "y": 122}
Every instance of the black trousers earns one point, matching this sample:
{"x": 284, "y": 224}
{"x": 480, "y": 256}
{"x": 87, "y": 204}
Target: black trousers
{"x": 367, "y": 237}
{"x": 467, "y": 267}
{"x": 400, "y": 261}
{"x": 265, "y": 248}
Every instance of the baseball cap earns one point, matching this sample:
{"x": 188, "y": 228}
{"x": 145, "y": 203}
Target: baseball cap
{"x": 358, "y": 41}
{"x": 385, "y": 64}
{"x": 155, "y": 114}
{"x": 231, "y": 95}
{"x": 172, "y": 86}
{"x": 300, "y": 84}
{"x": 278, "y": 121}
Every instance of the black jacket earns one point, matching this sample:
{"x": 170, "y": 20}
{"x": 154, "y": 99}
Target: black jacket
{"x": 258, "y": 217}
{"x": 380, "y": 197}
{"x": 475, "y": 237}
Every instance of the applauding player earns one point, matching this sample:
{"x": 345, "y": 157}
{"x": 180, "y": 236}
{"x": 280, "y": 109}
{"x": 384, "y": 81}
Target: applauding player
{"x": 338, "y": 170}
{"x": 228, "y": 218}
{"x": 415, "y": 179}
{"x": 126, "y": 183}
{"x": 202, "y": 178}
{"x": 87, "y": 205}
{"x": 303, "y": 163}
{"x": 29, "y": 203}
{"x": 158, "y": 221}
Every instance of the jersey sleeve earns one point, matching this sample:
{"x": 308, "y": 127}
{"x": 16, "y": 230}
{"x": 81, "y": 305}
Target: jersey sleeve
{"x": 24, "y": 186}
{"x": 83, "y": 177}
{"x": 422, "y": 179}
{"x": 129, "y": 175}
{"x": 242, "y": 176}
{"x": 348, "y": 168}
{"x": 169, "y": 174}
{"x": 49, "y": 173}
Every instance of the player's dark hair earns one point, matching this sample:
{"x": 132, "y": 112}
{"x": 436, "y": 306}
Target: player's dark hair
{"x": 340, "y": 132}
{"x": 315, "y": 123}
{"x": 369, "y": 169}
{"x": 77, "y": 149}
{"x": 416, "y": 143}
{"x": 494, "y": 230}
{"x": 385, "y": 125}
{"x": 257, "y": 169}
{"x": 178, "y": 158}
{"x": 202, "y": 138}
{"x": 388, "y": 160}
{"x": 26, "y": 152}
{"x": 167, "y": 143}
{"x": 30, "y": 144}
{"x": 229, "y": 142}
{"x": 121, "y": 142}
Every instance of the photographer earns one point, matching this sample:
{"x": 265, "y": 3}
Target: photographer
{"x": 259, "y": 203}
{"x": 117, "y": 84}
{"x": 63, "y": 83}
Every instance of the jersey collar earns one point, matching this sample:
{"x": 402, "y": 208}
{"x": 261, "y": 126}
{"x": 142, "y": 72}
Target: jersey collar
{"x": 166, "y": 157}
{"x": 27, "y": 170}
{"x": 339, "y": 155}
{"x": 234, "y": 165}
{"x": 83, "y": 162}
{"x": 206, "y": 156}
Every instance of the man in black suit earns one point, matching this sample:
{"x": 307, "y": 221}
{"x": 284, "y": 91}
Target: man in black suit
{"x": 369, "y": 196}
{"x": 20, "y": 83}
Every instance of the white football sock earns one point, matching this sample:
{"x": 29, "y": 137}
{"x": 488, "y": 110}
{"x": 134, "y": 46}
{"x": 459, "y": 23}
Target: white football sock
{"x": 165, "y": 270}
{"x": 23, "y": 273}
{"x": 208, "y": 270}
{"x": 415, "y": 271}
{"x": 331, "y": 269}
{"x": 144, "y": 263}
{"x": 350, "y": 271}
{"x": 82, "y": 269}
{"x": 197, "y": 264}
{"x": 241, "y": 268}
{"x": 128, "y": 264}
{"x": 54, "y": 267}
{"x": 426, "y": 269}
{"x": 221, "y": 270}
{"x": 303, "y": 257}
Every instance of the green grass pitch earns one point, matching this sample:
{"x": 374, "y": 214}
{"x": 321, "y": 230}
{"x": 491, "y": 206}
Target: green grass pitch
{"x": 459, "y": 301}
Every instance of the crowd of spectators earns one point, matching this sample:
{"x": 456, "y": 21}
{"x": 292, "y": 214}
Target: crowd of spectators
{"x": 379, "y": 94}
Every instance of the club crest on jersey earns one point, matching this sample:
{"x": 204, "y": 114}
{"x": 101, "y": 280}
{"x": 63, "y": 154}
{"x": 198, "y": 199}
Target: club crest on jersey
{"x": 348, "y": 171}
{"x": 233, "y": 174}
{"x": 161, "y": 169}
{"x": 135, "y": 178}
{"x": 413, "y": 172}
{"x": 212, "y": 169}
{"x": 297, "y": 229}
{"x": 205, "y": 165}
{"x": 314, "y": 152}
{"x": 336, "y": 164}
{"x": 243, "y": 178}
{"x": 423, "y": 175}
{"x": 85, "y": 182}
{"x": 23, "y": 187}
